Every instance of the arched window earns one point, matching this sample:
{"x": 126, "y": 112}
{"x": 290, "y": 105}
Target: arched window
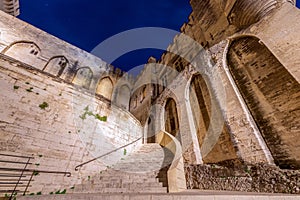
{"x": 24, "y": 51}
{"x": 56, "y": 65}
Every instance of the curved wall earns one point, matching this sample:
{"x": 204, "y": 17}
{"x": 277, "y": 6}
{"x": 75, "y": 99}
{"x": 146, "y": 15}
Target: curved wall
{"x": 50, "y": 107}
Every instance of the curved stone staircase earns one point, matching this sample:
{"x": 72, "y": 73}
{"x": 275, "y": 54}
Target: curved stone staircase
{"x": 143, "y": 171}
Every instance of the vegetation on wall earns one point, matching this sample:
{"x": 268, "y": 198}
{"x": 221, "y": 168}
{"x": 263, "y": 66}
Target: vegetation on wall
{"x": 87, "y": 112}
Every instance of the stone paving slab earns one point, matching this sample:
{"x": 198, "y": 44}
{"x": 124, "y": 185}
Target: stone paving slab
{"x": 186, "y": 195}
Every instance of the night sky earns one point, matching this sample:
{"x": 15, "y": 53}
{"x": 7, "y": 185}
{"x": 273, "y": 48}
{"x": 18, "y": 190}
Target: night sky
{"x": 86, "y": 23}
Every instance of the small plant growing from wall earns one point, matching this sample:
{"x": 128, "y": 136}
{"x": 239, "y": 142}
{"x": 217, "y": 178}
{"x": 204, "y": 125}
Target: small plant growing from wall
{"x": 13, "y": 197}
{"x": 16, "y": 87}
{"x": 61, "y": 192}
{"x": 30, "y": 89}
{"x": 44, "y": 105}
{"x": 87, "y": 112}
{"x": 103, "y": 118}
{"x": 35, "y": 173}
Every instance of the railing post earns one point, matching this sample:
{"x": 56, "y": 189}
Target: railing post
{"x": 10, "y": 198}
{"x": 28, "y": 183}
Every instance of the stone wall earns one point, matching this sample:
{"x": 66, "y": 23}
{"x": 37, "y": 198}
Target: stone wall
{"x": 60, "y": 124}
{"x": 270, "y": 92}
{"x": 247, "y": 178}
{"x": 216, "y": 26}
{"x": 49, "y": 54}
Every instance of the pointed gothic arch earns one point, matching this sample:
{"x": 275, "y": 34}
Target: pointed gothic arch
{"x": 83, "y": 77}
{"x": 123, "y": 97}
{"x": 105, "y": 87}
{"x": 202, "y": 102}
{"x": 56, "y": 65}
{"x": 24, "y": 51}
{"x": 171, "y": 117}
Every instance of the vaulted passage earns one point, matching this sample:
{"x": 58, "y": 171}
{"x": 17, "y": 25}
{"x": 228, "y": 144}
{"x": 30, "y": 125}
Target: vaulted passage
{"x": 200, "y": 99}
{"x": 272, "y": 96}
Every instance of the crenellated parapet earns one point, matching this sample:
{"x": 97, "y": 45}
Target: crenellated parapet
{"x": 11, "y": 7}
{"x": 58, "y": 59}
{"x": 62, "y": 67}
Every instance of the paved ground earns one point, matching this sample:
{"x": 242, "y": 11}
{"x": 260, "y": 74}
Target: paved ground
{"x": 186, "y": 195}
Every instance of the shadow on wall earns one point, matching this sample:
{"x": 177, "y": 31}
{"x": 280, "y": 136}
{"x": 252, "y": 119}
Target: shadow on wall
{"x": 270, "y": 92}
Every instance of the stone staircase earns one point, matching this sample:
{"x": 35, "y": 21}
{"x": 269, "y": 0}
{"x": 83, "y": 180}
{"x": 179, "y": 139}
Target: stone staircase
{"x": 143, "y": 171}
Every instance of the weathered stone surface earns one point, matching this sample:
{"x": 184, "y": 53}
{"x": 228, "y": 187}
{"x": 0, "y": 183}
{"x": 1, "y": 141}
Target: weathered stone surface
{"x": 57, "y": 135}
{"x": 247, "y": 178}
{"x": 227, "y": 88}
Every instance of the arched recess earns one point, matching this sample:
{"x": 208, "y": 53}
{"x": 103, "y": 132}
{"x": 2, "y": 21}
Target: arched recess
{"x": 171, "y": 118}
{"x": 151, "y": 130}
{"x": 123, "y": 97}
{"x": 272, "y": 96}
{"x": 143, "y": 94}
{"x": 56, "y": 65}
{"x": 105, "y": 87}
{"x": 24, "y": 51}
{"x": 83, "y": 77}
{"x": 201, "y": 104}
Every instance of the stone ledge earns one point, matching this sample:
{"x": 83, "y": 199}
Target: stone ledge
{"x": 189, "y": 194}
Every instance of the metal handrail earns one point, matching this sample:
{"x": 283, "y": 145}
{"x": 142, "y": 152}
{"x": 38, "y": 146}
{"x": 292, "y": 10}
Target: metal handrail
{"x": 78, "y": 166}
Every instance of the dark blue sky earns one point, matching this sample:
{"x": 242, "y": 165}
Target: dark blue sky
{"x": 86, "y": 23}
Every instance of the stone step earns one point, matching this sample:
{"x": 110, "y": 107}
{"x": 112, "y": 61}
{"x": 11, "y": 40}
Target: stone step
{"x": 126, "y": 179}
{"x": 136, "y": 173}
{"x": 122, "y": 183}
{"x": 149, "y": 158}
{"x": 122, "y": 186}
